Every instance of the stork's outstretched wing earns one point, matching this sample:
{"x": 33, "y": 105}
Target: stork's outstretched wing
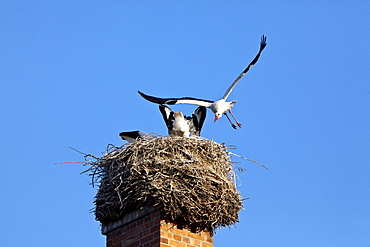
{"x": 176, "y": 101}
{"x": 262, "y": 46}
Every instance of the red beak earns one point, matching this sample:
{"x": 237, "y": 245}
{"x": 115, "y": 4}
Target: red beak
{"x": 215, "y": 119}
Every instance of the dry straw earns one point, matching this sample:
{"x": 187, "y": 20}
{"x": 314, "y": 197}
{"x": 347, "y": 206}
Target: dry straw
{"x": 192, "y": 179}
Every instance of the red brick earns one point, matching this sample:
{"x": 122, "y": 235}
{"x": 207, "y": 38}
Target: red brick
{"x": 134, "y": 244}
{"x": 146, "y": 232}
{"x": 165, "y": 227}
{"x": 196, "y": 236}
{"x": 177, "y": 231}
{"x": 177, "y": 237}
{"x": 177, "y": 244}
{"x": 131, "y": 225}
{"x": 164, "y": 245}
{"x": 129, "y": 240}
{"x": 112, "y": 235}
{"x": 195, "y": 241}
{"x": 146, "y": 239}
{"x": 156, "y": 220}
{"x": 155, "y": 228}
{"x": 132, "y": 232}
{"x": 139, "y": 235}
{"x": 164, "y": 240}
{"x": 166, "y": 234}
{"x": 116, "y": 240}
{"x": 140, "y": 228}
{"x": 156, "y": 234}
{"x": 186, "y": 240}
{"x": 148, "y": 224}
{"x": 207, "y": 244}
{"x": 154, "y": 243}
{"x": 209, "y": 239}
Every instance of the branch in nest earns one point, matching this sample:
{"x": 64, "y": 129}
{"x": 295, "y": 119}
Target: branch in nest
{"x": 249, "y": 160}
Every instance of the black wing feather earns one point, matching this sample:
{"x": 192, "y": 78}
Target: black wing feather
{"x": 254, "y": 61}
{"x": 200, "y": 113}
{"x": 168, "y": 118}
{"x": 168, "y": 101}
{"x": 158, "y": 100}
{"x": 131, "y": 134}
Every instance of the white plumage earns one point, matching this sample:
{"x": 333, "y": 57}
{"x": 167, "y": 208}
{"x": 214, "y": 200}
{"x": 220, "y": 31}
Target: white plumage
{"x": 180, "y": 125}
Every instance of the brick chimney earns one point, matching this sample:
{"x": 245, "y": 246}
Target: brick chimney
{"x": 190, "y": 180}
{"x": 147, "y": 227}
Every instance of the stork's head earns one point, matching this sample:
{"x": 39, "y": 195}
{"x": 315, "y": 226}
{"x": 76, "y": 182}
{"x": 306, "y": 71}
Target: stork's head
{"x": 217, "y": 116}
{"x": 220, "y": 107}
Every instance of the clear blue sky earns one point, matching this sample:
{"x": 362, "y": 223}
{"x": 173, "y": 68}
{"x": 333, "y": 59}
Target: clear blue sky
{"x": 70, "y": 71}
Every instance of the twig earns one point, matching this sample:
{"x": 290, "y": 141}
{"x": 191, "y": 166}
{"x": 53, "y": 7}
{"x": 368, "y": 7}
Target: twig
{"x": 69, "y": 162}
{"x": 250, "y": 160}
{"x": 77, "y": 151}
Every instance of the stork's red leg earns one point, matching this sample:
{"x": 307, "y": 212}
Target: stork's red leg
{"x": 232, "y": 125}
{"x": 239, "y": 124}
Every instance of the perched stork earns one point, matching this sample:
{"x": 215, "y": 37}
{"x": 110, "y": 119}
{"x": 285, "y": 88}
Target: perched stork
{"x": 132, "y": 136}
{"x": 218, "y": 107}
{"x": 180, "y": 125}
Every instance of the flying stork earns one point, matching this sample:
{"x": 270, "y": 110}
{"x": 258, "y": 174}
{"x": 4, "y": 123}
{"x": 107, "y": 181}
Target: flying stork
{"x": 218, "y": 107}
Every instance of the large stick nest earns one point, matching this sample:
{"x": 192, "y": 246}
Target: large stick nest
{"x": 191, "y": 179}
